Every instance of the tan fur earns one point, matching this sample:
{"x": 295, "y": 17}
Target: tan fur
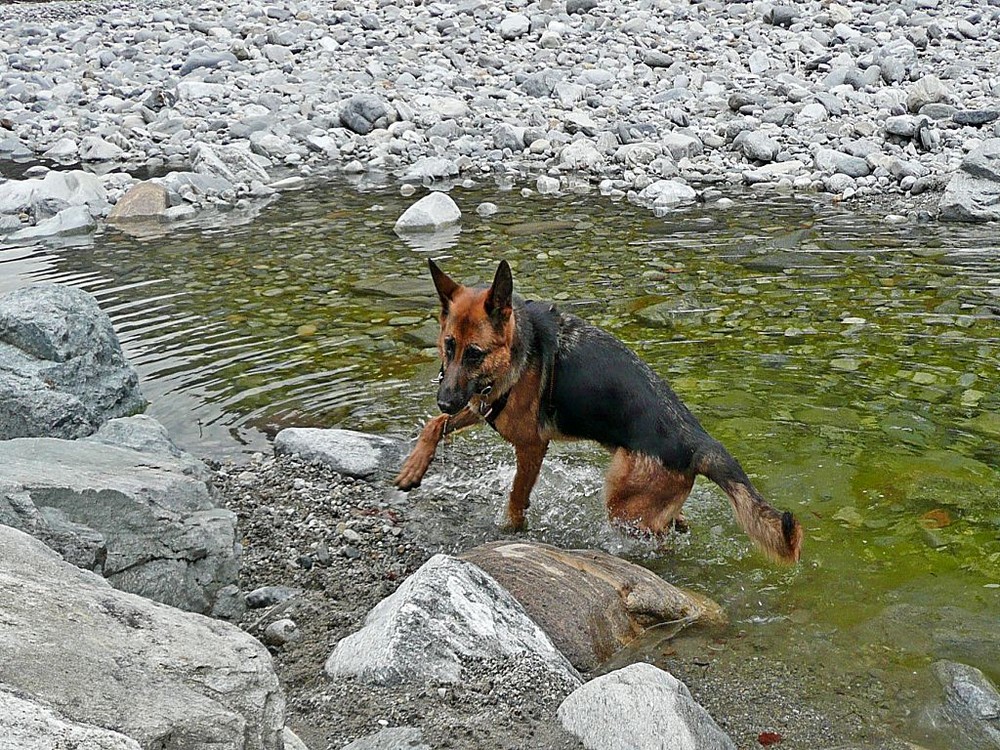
{"x": 419, "y": 460}
{"x": 644, "y": 495}
{"x": 762, "y": 523}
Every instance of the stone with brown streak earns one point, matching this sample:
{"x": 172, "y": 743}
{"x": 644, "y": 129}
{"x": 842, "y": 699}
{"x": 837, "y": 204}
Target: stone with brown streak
{"x": 589, "y": 603}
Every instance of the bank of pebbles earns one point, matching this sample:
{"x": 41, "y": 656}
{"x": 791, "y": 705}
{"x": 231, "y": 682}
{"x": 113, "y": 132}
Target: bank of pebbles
{"x": 342, "y": 548}
{"x": 854, "y": 98}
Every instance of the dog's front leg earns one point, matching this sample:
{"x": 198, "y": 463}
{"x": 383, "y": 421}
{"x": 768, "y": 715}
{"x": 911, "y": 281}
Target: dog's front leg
{"x": 529, "y": 463}
{"x": 417, "y": 463}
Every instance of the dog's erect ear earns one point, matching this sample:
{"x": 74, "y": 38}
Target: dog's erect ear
{"x": 499, "y": 298}
{"x": 445, "y": 286}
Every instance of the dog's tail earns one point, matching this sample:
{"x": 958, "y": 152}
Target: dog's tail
{"x": 777, "y": 533}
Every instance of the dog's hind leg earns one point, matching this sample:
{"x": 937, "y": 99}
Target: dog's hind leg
{"x": 643, "y": 495}
{"x": 529, "y": 463}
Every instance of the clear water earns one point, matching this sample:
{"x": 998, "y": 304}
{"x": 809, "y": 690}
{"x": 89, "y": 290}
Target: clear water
{"x": 850, "y": 364}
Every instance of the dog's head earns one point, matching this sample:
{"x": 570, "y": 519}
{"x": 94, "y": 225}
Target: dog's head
{"x": 477, "y": 332}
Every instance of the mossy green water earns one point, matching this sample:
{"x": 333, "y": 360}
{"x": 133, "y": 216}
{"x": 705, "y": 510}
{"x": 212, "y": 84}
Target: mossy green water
{"x": 850, "y": 364}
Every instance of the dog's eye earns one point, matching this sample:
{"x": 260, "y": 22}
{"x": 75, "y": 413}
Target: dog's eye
{"x": 449, "y": 348}
{"x": 473, "y": 355}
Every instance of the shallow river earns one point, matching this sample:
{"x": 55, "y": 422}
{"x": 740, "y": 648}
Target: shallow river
{"x": 849, "y": 363}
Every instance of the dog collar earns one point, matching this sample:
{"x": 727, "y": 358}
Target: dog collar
{"x": 490, "y": 416}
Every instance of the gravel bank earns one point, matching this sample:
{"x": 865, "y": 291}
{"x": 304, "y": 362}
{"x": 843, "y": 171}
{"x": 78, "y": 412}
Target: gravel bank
{"x": 857, "y": 99}
{"x": 344, "y": 548}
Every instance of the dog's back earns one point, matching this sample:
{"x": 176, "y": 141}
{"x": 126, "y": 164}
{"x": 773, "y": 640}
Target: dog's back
{"x": 602, "y": 391}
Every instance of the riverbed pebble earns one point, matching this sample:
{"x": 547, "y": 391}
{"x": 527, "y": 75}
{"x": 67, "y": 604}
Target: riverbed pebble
{"x": 247, "y": 94}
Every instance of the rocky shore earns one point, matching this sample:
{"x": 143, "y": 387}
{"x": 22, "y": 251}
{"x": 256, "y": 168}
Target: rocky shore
{"x": 123, "y": 111}
{"x": 657, "y": 101}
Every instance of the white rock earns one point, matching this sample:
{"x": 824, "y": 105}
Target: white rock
{"x": 667, "y": 192}
{"x": 193, "y": 90}
{"x": 581, "y": 154}
{"x": 640, "y": 706}
{"x": 514, "y": 25}
{"x": 356, "y": 454}
{"x": 681, "y": 145}
{"x": 446, "y": 613}
{"x": 546, "y": 185}
{"x": 95, "y": 148}
{"x": 72, "y": 220}
{"x": 433, "y": 211}
{"x": 64, "y": 148}
{"x": 810, "y": 114}
{"x": 759, "y": 62}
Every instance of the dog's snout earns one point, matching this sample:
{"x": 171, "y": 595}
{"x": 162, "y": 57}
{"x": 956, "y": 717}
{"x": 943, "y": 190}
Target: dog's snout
{"x": 451, "y": 404}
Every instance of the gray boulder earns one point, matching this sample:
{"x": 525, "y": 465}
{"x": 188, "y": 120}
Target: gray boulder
{"x": 640, "y": 706}
{"x": 589, "y": 603}
{"x": 164, "y": 678}
{"x": 972, "y": 702}
{"x": 831, "y": 160}
{"x": 28, "y": 725}
{"x": 140, "y": 516}
{"x": 194, "y": 186}
{"x": 364, "y": 113}
{"x": 580, "y": 6}
{"x": 581, "y": 155}
{"x": 356, "y": 454}
{"x": 444, "y": 616}
{"x": 667, "y": 193}
{"x": 973, "y": 193}
{"x": 429, "y": 168}
{"x": 514, "y": 25}
{"x": 73, "y": 188}
{"x": 757, "y": 146}
{"x": 200, "y": 58}
{"x": 72, "y": 220}
{"x": 233, "y": 162}
{"x": 95, "y": 148}
{"x": 928, "y": 90}
{"x": 64, "y": 148}
{"x": 62, "y": 370}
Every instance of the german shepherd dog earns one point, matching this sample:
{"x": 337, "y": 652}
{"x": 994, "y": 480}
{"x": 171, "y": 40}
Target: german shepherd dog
{"x": 536, "y": 374}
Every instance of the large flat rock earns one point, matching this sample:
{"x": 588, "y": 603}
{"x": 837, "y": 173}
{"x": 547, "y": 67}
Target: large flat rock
{"x": 139, "y": 514}
{"x": 168, "y": 679}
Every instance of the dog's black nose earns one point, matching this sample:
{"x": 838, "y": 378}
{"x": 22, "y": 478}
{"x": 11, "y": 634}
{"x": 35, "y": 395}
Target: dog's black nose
{"x": 451, "y": 405}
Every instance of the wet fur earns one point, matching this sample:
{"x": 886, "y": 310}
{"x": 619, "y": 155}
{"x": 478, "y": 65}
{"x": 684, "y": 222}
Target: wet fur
{"x": 558, "y": 377}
